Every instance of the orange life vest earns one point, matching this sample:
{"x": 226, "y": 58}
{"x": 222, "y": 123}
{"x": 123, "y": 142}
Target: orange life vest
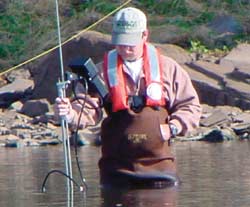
{"x": 152, "y": 68}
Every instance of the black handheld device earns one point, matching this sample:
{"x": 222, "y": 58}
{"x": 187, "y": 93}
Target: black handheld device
{"x": 84, "y": 67}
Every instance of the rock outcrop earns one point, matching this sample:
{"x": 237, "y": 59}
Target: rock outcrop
{"x": 228, "y": 79}
{"x": 26, "y": 98}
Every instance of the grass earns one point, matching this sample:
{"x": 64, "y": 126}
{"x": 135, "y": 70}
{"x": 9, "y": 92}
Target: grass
{"x": 27, "y": 29}
{"x": 20, "y": 32}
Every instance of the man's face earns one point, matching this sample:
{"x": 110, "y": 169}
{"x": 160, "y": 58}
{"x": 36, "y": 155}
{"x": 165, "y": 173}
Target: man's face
{"x": 132, "y": 53}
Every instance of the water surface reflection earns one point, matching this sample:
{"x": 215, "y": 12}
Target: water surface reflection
{"x": 140, "y": 197}
{"x": 212, "y": 174}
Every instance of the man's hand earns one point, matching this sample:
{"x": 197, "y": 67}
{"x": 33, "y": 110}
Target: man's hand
{"x": 63, "y": 108}
{"x": 165, "y": 132}
{"x": 168, "y": 131}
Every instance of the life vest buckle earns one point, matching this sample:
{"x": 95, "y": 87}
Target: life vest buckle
{"x": 136, "y": 103}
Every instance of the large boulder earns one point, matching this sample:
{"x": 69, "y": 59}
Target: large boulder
{"x": 47, "y": 72}
{"x": 33, "y": 108}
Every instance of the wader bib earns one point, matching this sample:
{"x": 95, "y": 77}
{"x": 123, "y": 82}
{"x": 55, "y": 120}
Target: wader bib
{"x": 133, "y": 150}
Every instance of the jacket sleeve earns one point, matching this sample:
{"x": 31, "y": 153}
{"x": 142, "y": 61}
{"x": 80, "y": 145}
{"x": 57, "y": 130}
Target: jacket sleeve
{"x": 183, "y": 102}
{"x": 85, "y": 112}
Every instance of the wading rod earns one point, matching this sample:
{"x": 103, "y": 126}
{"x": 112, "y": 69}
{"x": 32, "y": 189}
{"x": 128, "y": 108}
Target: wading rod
{"x": 61, "y": 89}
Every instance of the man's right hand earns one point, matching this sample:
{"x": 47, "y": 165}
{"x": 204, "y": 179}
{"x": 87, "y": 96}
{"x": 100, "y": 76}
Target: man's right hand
{"x": 63, "y": 108}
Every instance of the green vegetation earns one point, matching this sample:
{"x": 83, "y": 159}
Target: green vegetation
{"x": 197, "y": 47}
{"x": 28, "y": 28}
{"x": 13, "y": 27}
{"x": 175, "y": 7}
{"x": 21, "y": 28}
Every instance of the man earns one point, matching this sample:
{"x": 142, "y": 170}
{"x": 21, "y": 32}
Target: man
{"x": 152, "y": 100}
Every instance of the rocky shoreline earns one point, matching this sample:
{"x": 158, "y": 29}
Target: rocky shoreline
{"x": 218, "y": 124}
{"x": 27, "y": 95}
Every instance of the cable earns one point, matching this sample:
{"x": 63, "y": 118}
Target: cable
{"x": 76, "y": 135}
{"x": 85, "y": 98}
{"x": 83, "y": 105}
{"x": 81, "y": 188}
{"x": 75, "y": 147}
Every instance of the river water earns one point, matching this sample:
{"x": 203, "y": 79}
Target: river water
{"x": 212, "y": 175}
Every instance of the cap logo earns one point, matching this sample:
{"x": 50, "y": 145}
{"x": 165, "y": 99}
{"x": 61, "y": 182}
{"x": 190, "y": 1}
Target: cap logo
{"x": 126, "y": 24}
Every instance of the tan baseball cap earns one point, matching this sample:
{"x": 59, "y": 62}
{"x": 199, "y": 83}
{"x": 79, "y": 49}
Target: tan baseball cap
{"x": 128, "y": 26}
